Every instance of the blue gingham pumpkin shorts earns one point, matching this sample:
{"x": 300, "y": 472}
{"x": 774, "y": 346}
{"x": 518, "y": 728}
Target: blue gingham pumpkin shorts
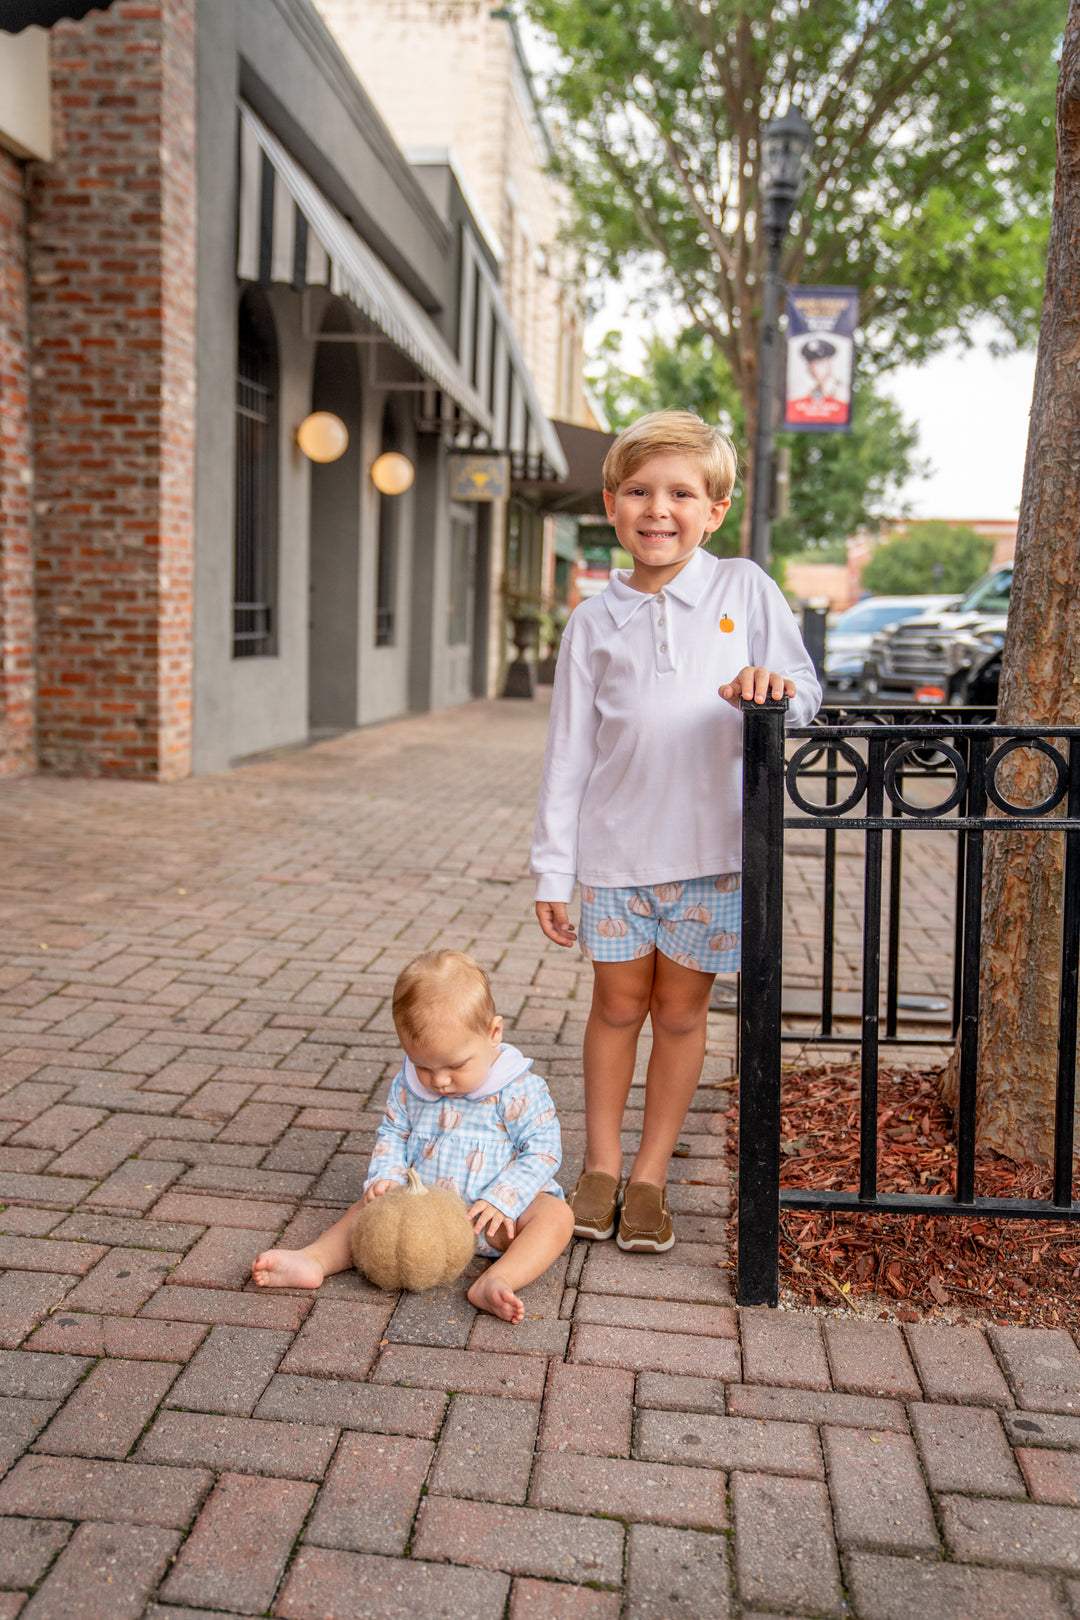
{"x": 696, "y": 922}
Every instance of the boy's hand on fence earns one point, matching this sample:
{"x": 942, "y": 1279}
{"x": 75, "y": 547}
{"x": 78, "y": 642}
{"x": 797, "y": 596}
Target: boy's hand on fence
{"x": 554, "y": 919}
{"x": 377, "y": 1189}
{"x": 757, "y": 683}
{"x": 487, "y": 1220}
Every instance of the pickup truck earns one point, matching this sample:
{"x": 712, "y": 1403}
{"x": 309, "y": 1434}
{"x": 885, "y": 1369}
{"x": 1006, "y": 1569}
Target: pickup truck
{"x": 913, "y": 658}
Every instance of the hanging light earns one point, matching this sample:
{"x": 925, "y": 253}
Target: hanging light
{"x": 392, "y": 473}
{"x": 322, "y": 436}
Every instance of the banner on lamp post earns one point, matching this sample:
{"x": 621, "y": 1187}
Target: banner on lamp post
{"x": 819, "y": 372}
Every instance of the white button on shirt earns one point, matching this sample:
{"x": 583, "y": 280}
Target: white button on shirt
{"x": 643, "y": 774}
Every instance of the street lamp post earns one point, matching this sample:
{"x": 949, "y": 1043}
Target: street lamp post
{"x": 785, "y": 156}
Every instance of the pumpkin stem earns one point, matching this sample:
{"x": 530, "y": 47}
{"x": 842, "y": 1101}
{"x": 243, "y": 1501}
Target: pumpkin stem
{"x": 415, "y": 1185}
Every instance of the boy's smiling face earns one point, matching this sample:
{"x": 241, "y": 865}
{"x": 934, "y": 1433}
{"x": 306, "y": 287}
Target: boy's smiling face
{"x": 661, "y": 514}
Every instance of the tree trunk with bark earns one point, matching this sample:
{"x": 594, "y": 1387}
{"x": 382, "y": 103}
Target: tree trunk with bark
{"x": 1040, "y": 685}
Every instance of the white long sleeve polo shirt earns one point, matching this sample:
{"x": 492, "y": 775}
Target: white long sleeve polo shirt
{"x": 642, "y": 778}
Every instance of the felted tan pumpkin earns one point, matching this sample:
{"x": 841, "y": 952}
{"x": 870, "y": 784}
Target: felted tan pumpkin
{"x": 415, "y": 1237}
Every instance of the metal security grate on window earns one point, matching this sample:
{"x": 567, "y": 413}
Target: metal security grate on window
{"x": 255, "y": 548}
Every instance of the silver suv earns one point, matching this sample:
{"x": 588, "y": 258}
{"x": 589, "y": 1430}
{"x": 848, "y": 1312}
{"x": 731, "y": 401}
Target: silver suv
{"x": 914, "y": 657}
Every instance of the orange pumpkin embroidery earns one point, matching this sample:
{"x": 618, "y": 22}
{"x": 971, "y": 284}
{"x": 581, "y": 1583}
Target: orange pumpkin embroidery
{"x": 448, "y": 1182}
{"x": 728, "y": 882}
{"x": 429, "y": 1147}
{"x": 666, "y": 922}
{"x": 475, "y": 1159}
{"x": 727, "y": 625}
{"x": 723, "y": 942}
{"x": 507, "y": 1195}
{"x": 643, "y": 950}
{"x": 665, "y": 892}
{"x": 587, "y": 894}
{"x": 697, "y": 913}
{"x": 687, "y": 961}
{"x": 546, "y": 1117}
{"x": 449, "y": 1118}
{"x": 515, "y": 1109}
{"x": 612, "y": 928}
{"x": 640, "y": 906}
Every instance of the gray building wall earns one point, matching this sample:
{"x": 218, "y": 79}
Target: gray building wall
{"x": 280, "y": 57}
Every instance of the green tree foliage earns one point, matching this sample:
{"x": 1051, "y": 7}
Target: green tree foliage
{"x": 929, "y": 186}
{"x": 840, "y": 482}
{"x": 931, "y": 556}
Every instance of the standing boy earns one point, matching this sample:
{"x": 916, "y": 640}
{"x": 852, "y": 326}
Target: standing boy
{"x": 641, "y": 799}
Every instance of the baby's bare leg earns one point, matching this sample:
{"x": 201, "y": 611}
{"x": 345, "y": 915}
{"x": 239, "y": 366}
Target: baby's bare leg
{"x": 541, "y": 1234}
{"x": 306, "y": 1268}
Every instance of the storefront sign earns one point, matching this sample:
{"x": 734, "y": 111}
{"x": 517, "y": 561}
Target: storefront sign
{"x": 479, "y": 478}
{"x": 819, "y": 374}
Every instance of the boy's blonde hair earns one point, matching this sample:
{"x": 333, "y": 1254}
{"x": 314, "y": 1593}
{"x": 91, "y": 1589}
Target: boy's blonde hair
{"x": 674, "y": 433}
{"x": 441, "y": 987}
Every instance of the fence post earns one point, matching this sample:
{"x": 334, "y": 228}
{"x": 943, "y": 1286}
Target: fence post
{"x": 762, "y": 974}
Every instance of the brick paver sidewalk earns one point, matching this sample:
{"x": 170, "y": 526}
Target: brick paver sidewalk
{"x": 194, "y": 1044}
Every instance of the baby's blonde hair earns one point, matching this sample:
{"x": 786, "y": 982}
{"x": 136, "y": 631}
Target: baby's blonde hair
{"x": 674, "y": 433}
{"x": 441, "y": 987}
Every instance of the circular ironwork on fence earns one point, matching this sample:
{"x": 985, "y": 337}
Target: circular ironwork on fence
{"x": 804, "y": 757}
{"x": 1006, "y": 806}
{"x": 933, "y": 748}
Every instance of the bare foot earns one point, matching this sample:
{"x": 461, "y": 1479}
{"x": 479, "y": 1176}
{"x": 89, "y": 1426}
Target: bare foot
{"x": 286, "y": 1268}
{"x": 491, "y": 1294}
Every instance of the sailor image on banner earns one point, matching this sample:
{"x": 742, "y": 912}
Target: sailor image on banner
{"x": 820, "y": 359}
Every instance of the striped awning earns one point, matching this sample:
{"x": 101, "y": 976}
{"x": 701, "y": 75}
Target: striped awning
{"x": 291, "y": 233}
{"x": 496, "y": 366}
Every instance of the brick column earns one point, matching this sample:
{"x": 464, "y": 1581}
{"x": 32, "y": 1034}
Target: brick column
{"x": 112, "y": 264}
{"x": 16, "y": 553}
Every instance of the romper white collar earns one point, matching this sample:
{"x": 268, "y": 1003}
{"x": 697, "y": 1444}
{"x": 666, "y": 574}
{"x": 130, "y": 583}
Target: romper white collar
{"x": 509, "y": 1065}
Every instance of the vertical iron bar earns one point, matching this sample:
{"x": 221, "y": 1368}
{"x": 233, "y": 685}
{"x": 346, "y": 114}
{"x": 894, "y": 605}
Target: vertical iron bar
{"x": 1070, "y": 961}
{"x": 892, "y": 974}
{"x": 963, "y": 743}
{"x": 828, "y": 941}
{"x": 871, "y": 973}
{"x": 760, "y": 1013}
{"x": 969, "y": 994}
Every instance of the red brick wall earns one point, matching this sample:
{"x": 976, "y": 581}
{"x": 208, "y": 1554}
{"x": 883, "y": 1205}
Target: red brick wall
{"x": 16, "y": 555}
{"x": 112, "y": 264}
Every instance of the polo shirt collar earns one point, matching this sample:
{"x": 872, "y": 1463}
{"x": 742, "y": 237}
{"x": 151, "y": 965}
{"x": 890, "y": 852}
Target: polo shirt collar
{"x": 688, "y": 586}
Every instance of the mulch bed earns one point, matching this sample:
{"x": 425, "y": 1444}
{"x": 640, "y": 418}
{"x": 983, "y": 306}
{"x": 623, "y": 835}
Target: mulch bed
{"x": 912, "y": 1266}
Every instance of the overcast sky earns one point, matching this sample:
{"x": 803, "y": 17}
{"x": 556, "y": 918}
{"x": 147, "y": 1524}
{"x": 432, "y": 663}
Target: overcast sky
{"x": 972, "y": 414}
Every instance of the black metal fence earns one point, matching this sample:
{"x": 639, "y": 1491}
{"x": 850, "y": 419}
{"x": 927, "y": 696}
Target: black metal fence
{"x": 855, "y": 772}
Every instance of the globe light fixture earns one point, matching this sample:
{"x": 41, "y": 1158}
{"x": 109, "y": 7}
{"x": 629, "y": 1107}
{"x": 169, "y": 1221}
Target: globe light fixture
{"x": 392, "y": 473}
{"x": 784, "y": 151}
{"x": 322, "y": 436}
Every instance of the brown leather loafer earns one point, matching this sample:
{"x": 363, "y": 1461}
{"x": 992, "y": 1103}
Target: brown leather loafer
{"x": 645, "y": 1221}
{"x": 595, "y": 1203}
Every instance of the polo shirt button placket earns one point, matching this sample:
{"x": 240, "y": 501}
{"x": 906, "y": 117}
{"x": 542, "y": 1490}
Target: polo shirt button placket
{"x": 663, "y": 657}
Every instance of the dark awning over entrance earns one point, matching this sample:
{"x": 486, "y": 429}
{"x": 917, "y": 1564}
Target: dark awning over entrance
{"x": 290, "y": 233}
{"x": 15, "y": 15}
{"x": 581, "y": 493}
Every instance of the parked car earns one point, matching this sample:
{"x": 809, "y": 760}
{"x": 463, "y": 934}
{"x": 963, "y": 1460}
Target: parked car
{"x": 848, "y": 637}
{"x": 914, "y": 657}
{"x": 974, "y": 659}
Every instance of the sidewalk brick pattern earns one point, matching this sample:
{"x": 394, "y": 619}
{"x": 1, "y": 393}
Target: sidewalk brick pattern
{"x": 195, "y": 1046}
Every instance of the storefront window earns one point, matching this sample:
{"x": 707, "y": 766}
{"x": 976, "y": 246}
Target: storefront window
{"x": 255, "y": 535}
